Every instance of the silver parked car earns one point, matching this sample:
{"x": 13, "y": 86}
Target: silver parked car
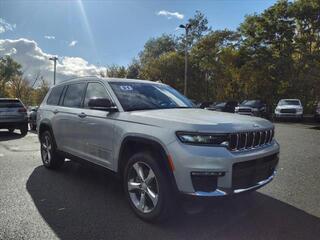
{"x": 154, "y": 138}
{"x": 13, "y": 115}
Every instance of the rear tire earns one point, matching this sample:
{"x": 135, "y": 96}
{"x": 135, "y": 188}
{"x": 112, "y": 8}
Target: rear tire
{"x": 24, "y": 129}
{"x": 50, "y": 157}
{"x": 148, "y": 190}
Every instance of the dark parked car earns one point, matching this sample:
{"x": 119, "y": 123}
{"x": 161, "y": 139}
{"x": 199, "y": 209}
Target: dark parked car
{"x": 32, "y": 114}
{"x": 13, "y": 115}
{"x": 253, "y": 108}
{"x": 228, "y": 106}
{"x": 317, "y": 112}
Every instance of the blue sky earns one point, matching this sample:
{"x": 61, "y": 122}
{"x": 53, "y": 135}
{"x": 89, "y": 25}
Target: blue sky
{"x": 107, "y": 32}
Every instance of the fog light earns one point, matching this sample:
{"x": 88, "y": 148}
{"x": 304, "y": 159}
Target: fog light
{"x": 205, "y": 181}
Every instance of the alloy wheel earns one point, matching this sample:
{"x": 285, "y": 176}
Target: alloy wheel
{"x": 143, "y": 187}
{"x": 46, "y": 147}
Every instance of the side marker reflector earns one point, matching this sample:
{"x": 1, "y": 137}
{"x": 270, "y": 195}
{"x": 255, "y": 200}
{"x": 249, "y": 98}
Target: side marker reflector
{"x": 170, "y": 163}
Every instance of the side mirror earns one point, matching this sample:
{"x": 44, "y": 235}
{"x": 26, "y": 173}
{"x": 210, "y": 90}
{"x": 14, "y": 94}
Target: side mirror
{"x": 103, "y": 104}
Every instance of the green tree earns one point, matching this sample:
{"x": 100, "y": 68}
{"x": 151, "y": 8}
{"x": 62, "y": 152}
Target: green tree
{"x": 8, "y": 70}
{"x": 133, "y": 70}
{"x": 116, "y": 71}
{"x": 155, "y": 47}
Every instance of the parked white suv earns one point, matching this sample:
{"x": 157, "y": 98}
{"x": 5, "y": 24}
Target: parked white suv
{"x": 289, "y": 108}
{"x": 155, "y": 139}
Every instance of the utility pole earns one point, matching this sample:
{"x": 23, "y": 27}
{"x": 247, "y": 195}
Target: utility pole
{"x": 186, "y": 27}
{"x": 54, "y": 59}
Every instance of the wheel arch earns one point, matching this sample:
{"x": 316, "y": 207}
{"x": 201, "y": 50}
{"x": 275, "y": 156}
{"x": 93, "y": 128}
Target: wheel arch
{"x": 134, "y": 144}
{"x": 45, "y": 125}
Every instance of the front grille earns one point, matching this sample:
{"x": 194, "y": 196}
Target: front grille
{"x": 249, "y": 173}
{"x": 252, "y": 139}
{"x": 245, "y": 110}
{"x": 289, "y": 110}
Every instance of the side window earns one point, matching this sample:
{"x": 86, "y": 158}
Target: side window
{"x": 54, "y": 96}
{"x": 74, "y": 95}
{"x": 95, "y": 90}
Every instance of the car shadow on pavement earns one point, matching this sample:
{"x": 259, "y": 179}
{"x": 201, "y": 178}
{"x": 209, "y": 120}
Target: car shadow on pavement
{"x": 81, "y": 202}
{"x": 6, "y": 136}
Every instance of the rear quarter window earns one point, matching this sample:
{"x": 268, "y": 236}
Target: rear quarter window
{"x": 55, "y": 95}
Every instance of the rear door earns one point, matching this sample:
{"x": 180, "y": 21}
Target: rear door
{"x": 68, "y": 118}
{"x": 53, "y": 108}
{"x": 12, "y": 110}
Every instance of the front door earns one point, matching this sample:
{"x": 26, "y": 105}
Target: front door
{"x": 97, "y": 128}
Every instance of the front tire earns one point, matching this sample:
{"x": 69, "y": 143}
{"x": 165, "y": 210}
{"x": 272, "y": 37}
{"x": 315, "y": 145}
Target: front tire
{"x": 50, "y": 157}
{"x": 147, "y": 188}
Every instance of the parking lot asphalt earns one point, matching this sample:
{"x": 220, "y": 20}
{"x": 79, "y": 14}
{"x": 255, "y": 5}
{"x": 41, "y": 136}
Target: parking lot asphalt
{"x": 82, "y": 202}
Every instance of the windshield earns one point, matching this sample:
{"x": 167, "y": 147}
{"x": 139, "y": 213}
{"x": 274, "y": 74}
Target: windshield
{"x": 250, "y": 102}
{"x": 146, "y": 96}
{"x": 289, "y": 102}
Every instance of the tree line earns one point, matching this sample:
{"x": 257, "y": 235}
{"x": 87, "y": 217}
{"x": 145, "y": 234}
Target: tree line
{"x": 272, "y": 55}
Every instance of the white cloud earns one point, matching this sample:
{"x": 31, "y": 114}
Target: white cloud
{"x": 34, "y": 60}
{"x": 5, "y": 26}
{"x": 49, "y": 37}
{"x": 73, "y": 43}
{"x": 170, "y": 15}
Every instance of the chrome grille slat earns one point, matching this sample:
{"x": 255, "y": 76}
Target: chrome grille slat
{"x": 246, "y": 141}
{"x": 259, "y": 138}
{"x": 265, "y": 138}
{"x": 237, "y": 145}
{"x": 241, "y": 141}
{"x": 254, "y": 135}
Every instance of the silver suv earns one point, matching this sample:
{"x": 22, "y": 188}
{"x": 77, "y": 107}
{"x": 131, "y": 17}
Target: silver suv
{"x": 155, "y": 140}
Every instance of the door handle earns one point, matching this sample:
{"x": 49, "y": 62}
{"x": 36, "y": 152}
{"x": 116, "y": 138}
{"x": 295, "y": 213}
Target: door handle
{"x": 55, "y": 111}
{"x": 82, "y": 115}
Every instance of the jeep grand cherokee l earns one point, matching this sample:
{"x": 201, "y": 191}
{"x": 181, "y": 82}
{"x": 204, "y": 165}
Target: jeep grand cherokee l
{"x": 153, "y": 137}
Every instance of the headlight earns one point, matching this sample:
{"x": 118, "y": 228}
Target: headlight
{"x": 221, "y": 140}
{"x": 255, "y": 109}
{"x": 299, "y": 110}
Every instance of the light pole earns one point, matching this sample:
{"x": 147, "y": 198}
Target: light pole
{"x": 186, "y": 27}
{"x": 54, "y": 59}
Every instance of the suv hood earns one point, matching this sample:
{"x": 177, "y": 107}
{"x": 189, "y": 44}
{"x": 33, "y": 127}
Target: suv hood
{"x": 197, "y": 120}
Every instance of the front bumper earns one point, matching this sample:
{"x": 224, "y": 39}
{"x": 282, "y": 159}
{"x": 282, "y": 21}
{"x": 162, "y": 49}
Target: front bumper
{"x": 189, "y": 159}
{"x": 227, "y": 191}
{"x": 289, "y": 115}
